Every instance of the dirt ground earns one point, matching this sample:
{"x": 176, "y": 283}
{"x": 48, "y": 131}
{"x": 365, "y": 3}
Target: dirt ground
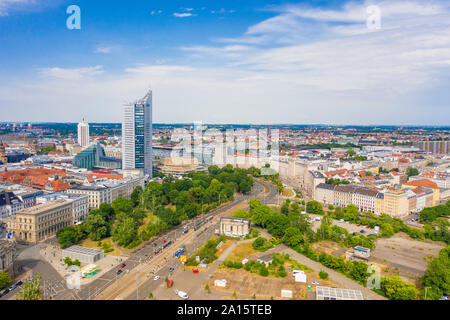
{"x": 246, "y": 283}
{"x": 405, "y": 256}
{"x": 242, "y": 251}
{"x": 329, "y": 247}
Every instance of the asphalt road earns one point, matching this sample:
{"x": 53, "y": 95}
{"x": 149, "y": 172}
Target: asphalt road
{"x": 55, "y": 285}
{"x": 145, "y": 253}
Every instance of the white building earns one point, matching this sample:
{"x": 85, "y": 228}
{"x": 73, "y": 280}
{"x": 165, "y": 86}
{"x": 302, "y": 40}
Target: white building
{"x": 108, "y": 192}
{"x": 137, "y": 135}
{"x": 83, "y": 134}
{"x": 80, "y": 203}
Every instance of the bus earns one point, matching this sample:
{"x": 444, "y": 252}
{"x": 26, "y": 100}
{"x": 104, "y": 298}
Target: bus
{"x": 89, "y": 271}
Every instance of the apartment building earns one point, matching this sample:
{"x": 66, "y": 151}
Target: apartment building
{"x": 41, "y": 221}
{"x": 9, "y": 204}
{"x": 80, "y": 204}
{"x": 425, "y": 183}
{"x": 394, "y": 203}
{"x": 108, "y": 192}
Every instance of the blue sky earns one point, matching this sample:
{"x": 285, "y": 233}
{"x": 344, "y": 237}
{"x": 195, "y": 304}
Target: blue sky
{"x": 227, "y": 61}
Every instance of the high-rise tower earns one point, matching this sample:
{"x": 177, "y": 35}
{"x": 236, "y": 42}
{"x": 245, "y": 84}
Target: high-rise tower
{"x": 137, "y": 135}
{"x": 83, "y": 134}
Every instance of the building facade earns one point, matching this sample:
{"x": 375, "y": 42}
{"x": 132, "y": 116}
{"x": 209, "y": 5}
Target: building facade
{"x": 137, "y": 135}
{"x": 108, "y": 192}
{"x": 7, "y": 256}
{"x": 37, "y": 223}
{"x": 10, "y": 204}
{"x": 233, "y": 227}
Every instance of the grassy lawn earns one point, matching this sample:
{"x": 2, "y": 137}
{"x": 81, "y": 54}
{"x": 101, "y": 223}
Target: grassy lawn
{"x": 242, "y": 251}
{"x": 224, "y": 247}
{"x": 151, "y": 218}
{"x": 93, "y": 244}
{"x": 287, "y": 193}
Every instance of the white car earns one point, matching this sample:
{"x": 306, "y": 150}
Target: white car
{"x": 183, "y": 295}
{"x": 156, "y": 278}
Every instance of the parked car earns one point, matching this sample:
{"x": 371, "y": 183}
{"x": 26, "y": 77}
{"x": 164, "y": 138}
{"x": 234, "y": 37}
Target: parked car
{"x": 156, "y": 278}
{"x": 342, "y": 220}
{"x": 358, "y": 225}
{"x": 12, "y": 287}
{"x": 5, "y": 292}
{"x": 363, "y": 231}
{"x": 119, "y": 272}
{"x": 18, "y": 284}
{"x": 123, "y": 265}
{"x": 367, "y": 227}
{"x": 171, "y": 269}
{"x": 183, "y": 295}
{"x": 315, "y": 282}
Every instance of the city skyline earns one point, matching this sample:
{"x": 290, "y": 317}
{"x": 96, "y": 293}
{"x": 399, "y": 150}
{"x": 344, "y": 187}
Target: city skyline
{"x": 265, "y": 63}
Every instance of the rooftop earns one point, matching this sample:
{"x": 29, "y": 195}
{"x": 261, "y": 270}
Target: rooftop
{"x": 83, "y": 250}
{"x": 43, "y": 207}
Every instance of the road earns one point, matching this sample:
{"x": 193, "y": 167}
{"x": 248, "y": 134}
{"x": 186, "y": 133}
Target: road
{"x": 29, "y": 259}
{"x": 127, "y": 286}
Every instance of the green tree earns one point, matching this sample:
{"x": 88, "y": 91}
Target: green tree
{"x": 314, "y": 207}
{"x": 396, "y": 289}
{"x": 410, "y": 172}
{"x": 31, "y": 290}
{"x": 351, "y": 152}
{"x": 323, "y": 275}
{"x": 125, "y": 232}
{"x": 69, "y": 236}
{"x": 96, "y": 227}
{"x": 4, "y": 279}
{"x": 351, "y": 213}
{"x": 437, "y": 275}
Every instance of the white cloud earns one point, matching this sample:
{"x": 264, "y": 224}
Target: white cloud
{"x": 183, "y": 15}
{"x": 102, "y": 49}
{"x": 7, "y": 5}
{"x": 71, "y": 74}
{"x": 286, "y": 69}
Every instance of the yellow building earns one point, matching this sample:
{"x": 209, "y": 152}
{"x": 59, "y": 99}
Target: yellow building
{"x": 395, "y": 203}
{"x": 41, "y": 221}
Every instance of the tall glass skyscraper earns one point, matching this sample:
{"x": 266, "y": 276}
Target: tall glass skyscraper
{"x": 137, "y": 135}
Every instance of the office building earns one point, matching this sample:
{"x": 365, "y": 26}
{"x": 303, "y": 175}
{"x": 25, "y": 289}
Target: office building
{"x": 41, "y": 221}
{"x": 83, "y": 134}
{"x": 94, "y": 157}
{"x": 137, "y": 135}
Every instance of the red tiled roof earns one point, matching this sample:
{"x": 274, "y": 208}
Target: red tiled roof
{"x": 422, "y": 183}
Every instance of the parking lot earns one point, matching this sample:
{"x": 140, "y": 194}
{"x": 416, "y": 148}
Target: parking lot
{"x": 351, "y": 228}
{"x": 402, "y": 254}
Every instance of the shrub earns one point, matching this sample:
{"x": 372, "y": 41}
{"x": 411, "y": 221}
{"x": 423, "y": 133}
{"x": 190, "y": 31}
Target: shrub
{"x": 323, "y": 275}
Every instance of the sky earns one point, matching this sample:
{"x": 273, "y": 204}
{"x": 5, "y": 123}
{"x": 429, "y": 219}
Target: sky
{"x": 252, "y": 61}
